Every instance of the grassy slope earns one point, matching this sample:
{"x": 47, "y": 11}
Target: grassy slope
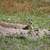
{"x": 39, "y": 18}
{"x": 11, "y": 43}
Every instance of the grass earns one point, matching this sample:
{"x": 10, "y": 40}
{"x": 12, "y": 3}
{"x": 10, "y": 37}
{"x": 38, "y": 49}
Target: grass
{"x": 12, "y": 43}
{"x": 39, "y": 19}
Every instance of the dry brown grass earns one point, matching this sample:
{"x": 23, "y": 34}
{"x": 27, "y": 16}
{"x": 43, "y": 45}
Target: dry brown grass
{"x": 45, "y": 9}
{"x": 12, "y": 5}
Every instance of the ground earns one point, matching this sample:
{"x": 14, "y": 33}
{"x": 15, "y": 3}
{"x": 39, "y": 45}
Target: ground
{"x": 19, "y": 12}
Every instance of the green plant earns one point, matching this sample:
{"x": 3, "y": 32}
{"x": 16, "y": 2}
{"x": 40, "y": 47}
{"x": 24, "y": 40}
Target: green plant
{"x": 29, "y": 21}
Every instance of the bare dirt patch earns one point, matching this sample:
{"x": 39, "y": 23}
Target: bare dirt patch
{"x": 10, "y": 29}
{"x": 12, "y": 25}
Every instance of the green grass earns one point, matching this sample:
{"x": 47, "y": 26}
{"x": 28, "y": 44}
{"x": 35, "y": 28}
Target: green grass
{"x": 39, "y": 19}
{"x": 12, "y": 43}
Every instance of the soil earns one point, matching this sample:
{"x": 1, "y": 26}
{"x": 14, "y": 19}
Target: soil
{"x": 10, "y": 28}
{"x": 17, "y": 29}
